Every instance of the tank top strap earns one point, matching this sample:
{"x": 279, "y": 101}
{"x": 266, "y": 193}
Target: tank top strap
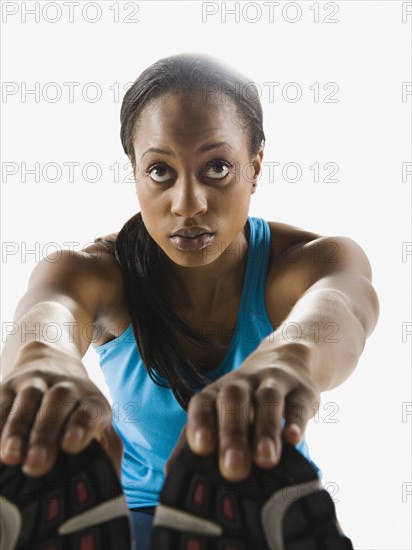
{"x": 258, "y": 264}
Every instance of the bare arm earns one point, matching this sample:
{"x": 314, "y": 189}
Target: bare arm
{"x": 333, "y": 309}
{"x": 42, "y": 365}
{"x": 57, "y": 310}
{"x": 329, "y": 308}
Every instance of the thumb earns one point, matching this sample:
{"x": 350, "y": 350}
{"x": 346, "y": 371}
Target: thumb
{"x": 181, "y": 443}
{"x": 296, "y": 418}
{"x": 292, "y": 433}
{"x": 113, "y": 446}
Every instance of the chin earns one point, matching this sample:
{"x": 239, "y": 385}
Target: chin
{"x": 192, "y": 258}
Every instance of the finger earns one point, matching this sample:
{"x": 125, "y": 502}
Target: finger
{"x": 269, "y": 399}
{"x": 182, "y": 441}
{"x": 88, "y": 420}
{"x": 16, "y": 430}
{"x": 292, "y": 433}
{"x": 297, "y": 415}
{"x": 46, "y": 431}
{"x": 112, "y": 444}
{"x": 6, "y": 399}
{"x": 234, "y": 430}
{"x": 201, "y": 428}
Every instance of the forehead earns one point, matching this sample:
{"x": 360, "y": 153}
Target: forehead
{"x": 188, "y": 119}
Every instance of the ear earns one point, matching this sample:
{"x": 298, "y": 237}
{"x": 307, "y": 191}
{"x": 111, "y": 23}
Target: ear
{"x": 257, "y": 166}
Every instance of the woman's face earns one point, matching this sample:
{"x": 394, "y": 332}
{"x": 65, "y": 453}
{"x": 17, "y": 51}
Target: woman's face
{"x": 193, "y": 170}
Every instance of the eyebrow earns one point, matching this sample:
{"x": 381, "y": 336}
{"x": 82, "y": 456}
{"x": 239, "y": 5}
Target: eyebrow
{"x": 202, "y": 149}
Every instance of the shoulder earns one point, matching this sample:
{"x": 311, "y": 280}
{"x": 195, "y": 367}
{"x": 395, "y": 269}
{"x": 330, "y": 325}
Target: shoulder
{"x": 102, "y": 258}
{"x": 284, "y": 236}
{"x": 301, "y": 259}
{"x": 295, "y": 248}
{"x": 103, "y": 244}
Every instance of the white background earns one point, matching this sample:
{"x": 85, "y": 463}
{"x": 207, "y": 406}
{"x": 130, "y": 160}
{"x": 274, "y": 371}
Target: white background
{"x": 361, "y": 440}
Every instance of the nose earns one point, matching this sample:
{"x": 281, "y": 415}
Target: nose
{"x": 188, "y": 198}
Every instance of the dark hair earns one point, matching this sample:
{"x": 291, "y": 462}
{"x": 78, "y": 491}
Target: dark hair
{"x": 153, "y": 321}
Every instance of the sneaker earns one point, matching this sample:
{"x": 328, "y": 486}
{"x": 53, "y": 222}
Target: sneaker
{"x": 77, "y": 505}
{"x": 283, "y": 508}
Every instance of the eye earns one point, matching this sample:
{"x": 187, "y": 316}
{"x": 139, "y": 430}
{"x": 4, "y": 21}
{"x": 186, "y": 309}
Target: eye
{"x": 158, "y": 173}
{"x": 217, "y": 169}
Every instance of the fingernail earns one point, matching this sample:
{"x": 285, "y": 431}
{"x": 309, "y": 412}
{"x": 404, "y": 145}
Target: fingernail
{"x": 36, "y": 457}
{"x": 266, "y": 449}
{"x": 74, "y": 437}
{"x": 234, "y": 459}
{"x": 201, "y": 438}
{"x": 295, "y": 428}
{"x": 12, "y": 447}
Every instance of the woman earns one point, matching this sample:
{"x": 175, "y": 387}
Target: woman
{"x": 203, "y": 316}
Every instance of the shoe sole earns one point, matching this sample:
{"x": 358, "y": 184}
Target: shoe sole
{"x": 283, "y": 508}
{"x": 77, "y": 505}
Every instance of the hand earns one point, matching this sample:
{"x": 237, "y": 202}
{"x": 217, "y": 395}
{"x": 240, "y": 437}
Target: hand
{"x": 240, "y": 416}
{"x": 43, "y": 410}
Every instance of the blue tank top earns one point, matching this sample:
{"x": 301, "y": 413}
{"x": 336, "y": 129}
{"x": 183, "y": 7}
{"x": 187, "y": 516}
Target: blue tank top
{"x": 147, "y": 416}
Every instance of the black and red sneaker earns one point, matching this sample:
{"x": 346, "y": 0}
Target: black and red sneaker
{"x": 283, "y": 508}
{"x": 77, "y": 505}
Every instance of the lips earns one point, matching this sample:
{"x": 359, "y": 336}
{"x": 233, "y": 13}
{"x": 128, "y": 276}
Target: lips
{"x": 191, "y": 232}
{"x": 192, "y": 243}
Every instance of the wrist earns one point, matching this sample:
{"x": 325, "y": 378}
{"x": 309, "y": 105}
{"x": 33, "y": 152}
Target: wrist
{"x": 301, "y": 354}
{"x": 294, "y": 357}
{"x": 38, "y": 356}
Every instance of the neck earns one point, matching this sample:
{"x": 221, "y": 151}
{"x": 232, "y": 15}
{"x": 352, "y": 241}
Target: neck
{"x": 208, "y": 287}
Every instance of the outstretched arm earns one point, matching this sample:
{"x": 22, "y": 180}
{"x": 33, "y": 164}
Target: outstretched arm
{"x": 332, "y": 310}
